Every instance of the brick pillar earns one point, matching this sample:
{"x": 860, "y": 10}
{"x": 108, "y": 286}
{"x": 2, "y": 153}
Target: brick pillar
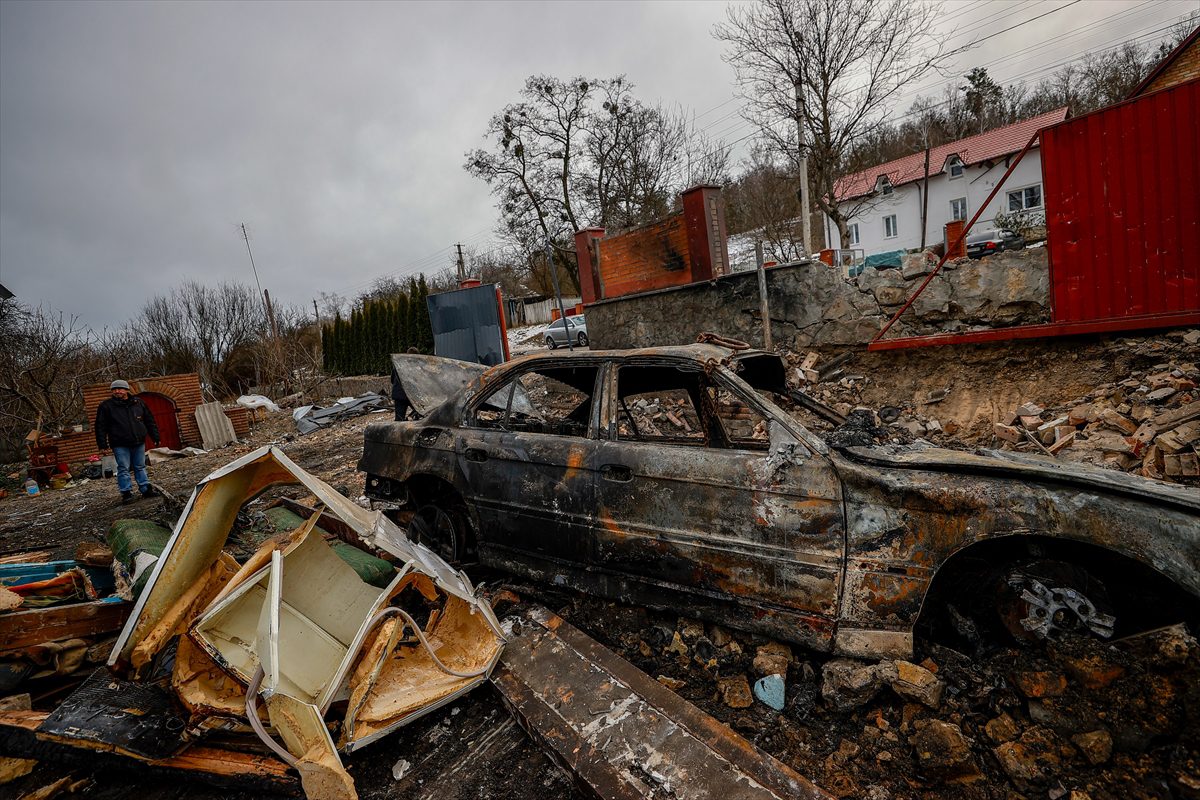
{"x": 590, "y": 287}
{"x": 954, "y": 229}
{"x": 704, "y": 218}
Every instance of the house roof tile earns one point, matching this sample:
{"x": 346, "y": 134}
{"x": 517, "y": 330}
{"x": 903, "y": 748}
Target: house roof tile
{"x": 987, "y": 146}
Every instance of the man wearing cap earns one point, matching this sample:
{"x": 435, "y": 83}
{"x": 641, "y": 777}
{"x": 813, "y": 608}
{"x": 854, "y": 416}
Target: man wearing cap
{"x": 122, "y": 423}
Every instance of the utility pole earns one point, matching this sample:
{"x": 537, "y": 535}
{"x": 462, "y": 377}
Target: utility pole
{"x": 562, "y": 312}
{"x": 462, "y": 268}
{"x": 316, "y": 314}
{"x": 801, "y": 144}
{"x": 254, "y": 269}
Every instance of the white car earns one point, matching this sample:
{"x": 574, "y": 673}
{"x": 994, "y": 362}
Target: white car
{"x": 575, "y": 330}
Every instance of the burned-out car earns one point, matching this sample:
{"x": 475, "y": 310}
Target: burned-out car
{"x": 667, "y": 477}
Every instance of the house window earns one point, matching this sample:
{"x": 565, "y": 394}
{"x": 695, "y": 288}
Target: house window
{"x": 958, "y": 209}
{"x": 1025, "y": 199}
{"x": 854, "y": 233}
{"x": 889, "y": 226}
{"x": 885, "y": 186}
{"x": 956, "y": 169}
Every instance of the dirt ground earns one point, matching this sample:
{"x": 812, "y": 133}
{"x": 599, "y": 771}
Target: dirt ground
{"x": 1074, "y": 719}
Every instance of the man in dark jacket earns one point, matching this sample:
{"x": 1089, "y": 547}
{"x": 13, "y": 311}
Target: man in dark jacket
{"x": 122, "y": 423}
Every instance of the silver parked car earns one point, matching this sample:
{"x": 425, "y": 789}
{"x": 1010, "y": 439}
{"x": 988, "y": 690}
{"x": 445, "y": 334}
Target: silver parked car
{"x": 575, "y": 330}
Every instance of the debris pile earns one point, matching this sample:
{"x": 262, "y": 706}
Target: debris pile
{"x": 1147, "y": 424}
{"x": 1073, "y": 717}
{"x": 317, "y": 625}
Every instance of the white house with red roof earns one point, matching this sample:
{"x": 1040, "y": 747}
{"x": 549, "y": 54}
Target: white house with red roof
{"x": 884, "y": 203}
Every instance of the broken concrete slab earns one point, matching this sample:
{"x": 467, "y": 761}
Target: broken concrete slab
{"x": 620, "y": 732}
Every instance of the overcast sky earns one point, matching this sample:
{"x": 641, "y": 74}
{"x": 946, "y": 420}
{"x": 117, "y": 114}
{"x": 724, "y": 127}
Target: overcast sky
{"x": 135, "y": 137}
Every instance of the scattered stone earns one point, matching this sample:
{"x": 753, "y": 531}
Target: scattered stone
{"x": 1169, "y": 646}
{"x": 848, "y": 684}
{"x": 1090, "y": 670}
{"x": 943, "y": 752}
{"x": 770, "y": 663}
{"x": 1002, "y": 729}
{"x": 771, "y": 690}
{"x": 674, "y": 684}
{"x": 1096, "y": 746}
{"x": 719, "y": 636}
{"x": 914, "y": 683}
{"x": 735, "y": 691}
{"x": 1158, "y": 395}
{"x": 1025, "y": 760}
{"x": 1040, "y": 684}
{"x": 677, "y": 646}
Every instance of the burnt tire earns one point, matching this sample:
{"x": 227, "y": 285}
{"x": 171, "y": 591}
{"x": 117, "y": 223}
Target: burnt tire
{"x": 443, "y": 528}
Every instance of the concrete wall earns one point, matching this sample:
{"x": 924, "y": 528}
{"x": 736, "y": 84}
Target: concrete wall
{"x": 812, "y": 305}
{"x": 905, "y": 202}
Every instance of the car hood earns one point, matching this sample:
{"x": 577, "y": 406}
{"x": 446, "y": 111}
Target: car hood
{"x": 1027, "y": 467}
{"x": 428, "y": 381}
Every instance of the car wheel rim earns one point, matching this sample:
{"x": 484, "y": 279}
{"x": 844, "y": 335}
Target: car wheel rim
{"x": 435, "y": 528}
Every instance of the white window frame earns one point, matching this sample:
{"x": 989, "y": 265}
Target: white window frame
{"x": 954, "y": 212}
{"x": 885, "y": 186}
{"x": 894, "y": 226}
{"x": 1021, "y": 193}
{"x": 956, "y": 163}
{"x": 853, "y": 233}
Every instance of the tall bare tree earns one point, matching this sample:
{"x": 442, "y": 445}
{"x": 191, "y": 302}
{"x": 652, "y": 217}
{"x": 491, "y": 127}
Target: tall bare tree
{"x": 831, "y": 68}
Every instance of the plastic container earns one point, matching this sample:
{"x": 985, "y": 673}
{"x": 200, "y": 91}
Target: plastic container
{"x": 31, "y": 486}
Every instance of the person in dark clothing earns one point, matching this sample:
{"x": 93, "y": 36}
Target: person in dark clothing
{"x": 122, "y": 424}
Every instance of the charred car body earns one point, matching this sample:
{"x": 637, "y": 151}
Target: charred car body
{"x": 666, "y": 477}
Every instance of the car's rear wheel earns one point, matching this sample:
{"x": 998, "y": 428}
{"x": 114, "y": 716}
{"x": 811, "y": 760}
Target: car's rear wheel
{"x": 443, "y": 528}
{"x": 551, "y": 343}
{"x": 1045, "y": 599}
{"x": 583, "y": 340}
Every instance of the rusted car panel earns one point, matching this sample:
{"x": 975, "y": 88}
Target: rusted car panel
{"x": 730, "y": 508}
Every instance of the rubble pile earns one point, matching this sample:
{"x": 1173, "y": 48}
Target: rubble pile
{"x": 1147, "y": 423}
{"x": 1075, "y": 718}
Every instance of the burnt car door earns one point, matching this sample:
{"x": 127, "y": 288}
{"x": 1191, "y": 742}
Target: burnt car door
{"x": 704, "y": 490}
{"x": 527, "y": 451}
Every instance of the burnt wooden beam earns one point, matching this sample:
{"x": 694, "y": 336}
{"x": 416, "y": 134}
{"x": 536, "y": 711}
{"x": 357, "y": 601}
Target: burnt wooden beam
{"x": 213, "y": 765}
{"x": 20, "y": 629}
{"x": 620, "y": 733}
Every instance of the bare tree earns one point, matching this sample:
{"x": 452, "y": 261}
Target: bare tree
{"x": 584, "y": 152}
{"x": 832, "y": 68}
{"x": 46, "y": 357}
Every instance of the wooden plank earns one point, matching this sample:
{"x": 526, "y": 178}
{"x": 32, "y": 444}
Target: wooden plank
{"x": 621, "y": 734}
{"x": 20, "y": 629}
{"x": 215, "y": 765}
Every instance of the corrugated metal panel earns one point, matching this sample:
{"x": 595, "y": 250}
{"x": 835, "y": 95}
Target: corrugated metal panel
{"x": 1122, "y": 198}
{"x": 466, "y": 325}
{"x": 215, "y": 428}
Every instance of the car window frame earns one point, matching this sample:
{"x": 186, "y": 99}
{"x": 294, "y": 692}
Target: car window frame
{"x": 722, "y": 377}
{"x": 511, "y": 376}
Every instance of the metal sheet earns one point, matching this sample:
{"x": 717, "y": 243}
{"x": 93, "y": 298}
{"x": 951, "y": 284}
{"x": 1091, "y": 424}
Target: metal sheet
{"x": 1123, "y": 208}
{"x": 215, "y": 428}
{"x": 467, "y": 325}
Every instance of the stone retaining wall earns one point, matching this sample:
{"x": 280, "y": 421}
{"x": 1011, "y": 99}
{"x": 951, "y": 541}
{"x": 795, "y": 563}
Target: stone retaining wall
{"x": 812, "y": 305}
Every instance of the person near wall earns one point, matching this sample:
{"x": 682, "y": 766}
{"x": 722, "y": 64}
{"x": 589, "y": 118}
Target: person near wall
{"x": 122, "y": 424}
